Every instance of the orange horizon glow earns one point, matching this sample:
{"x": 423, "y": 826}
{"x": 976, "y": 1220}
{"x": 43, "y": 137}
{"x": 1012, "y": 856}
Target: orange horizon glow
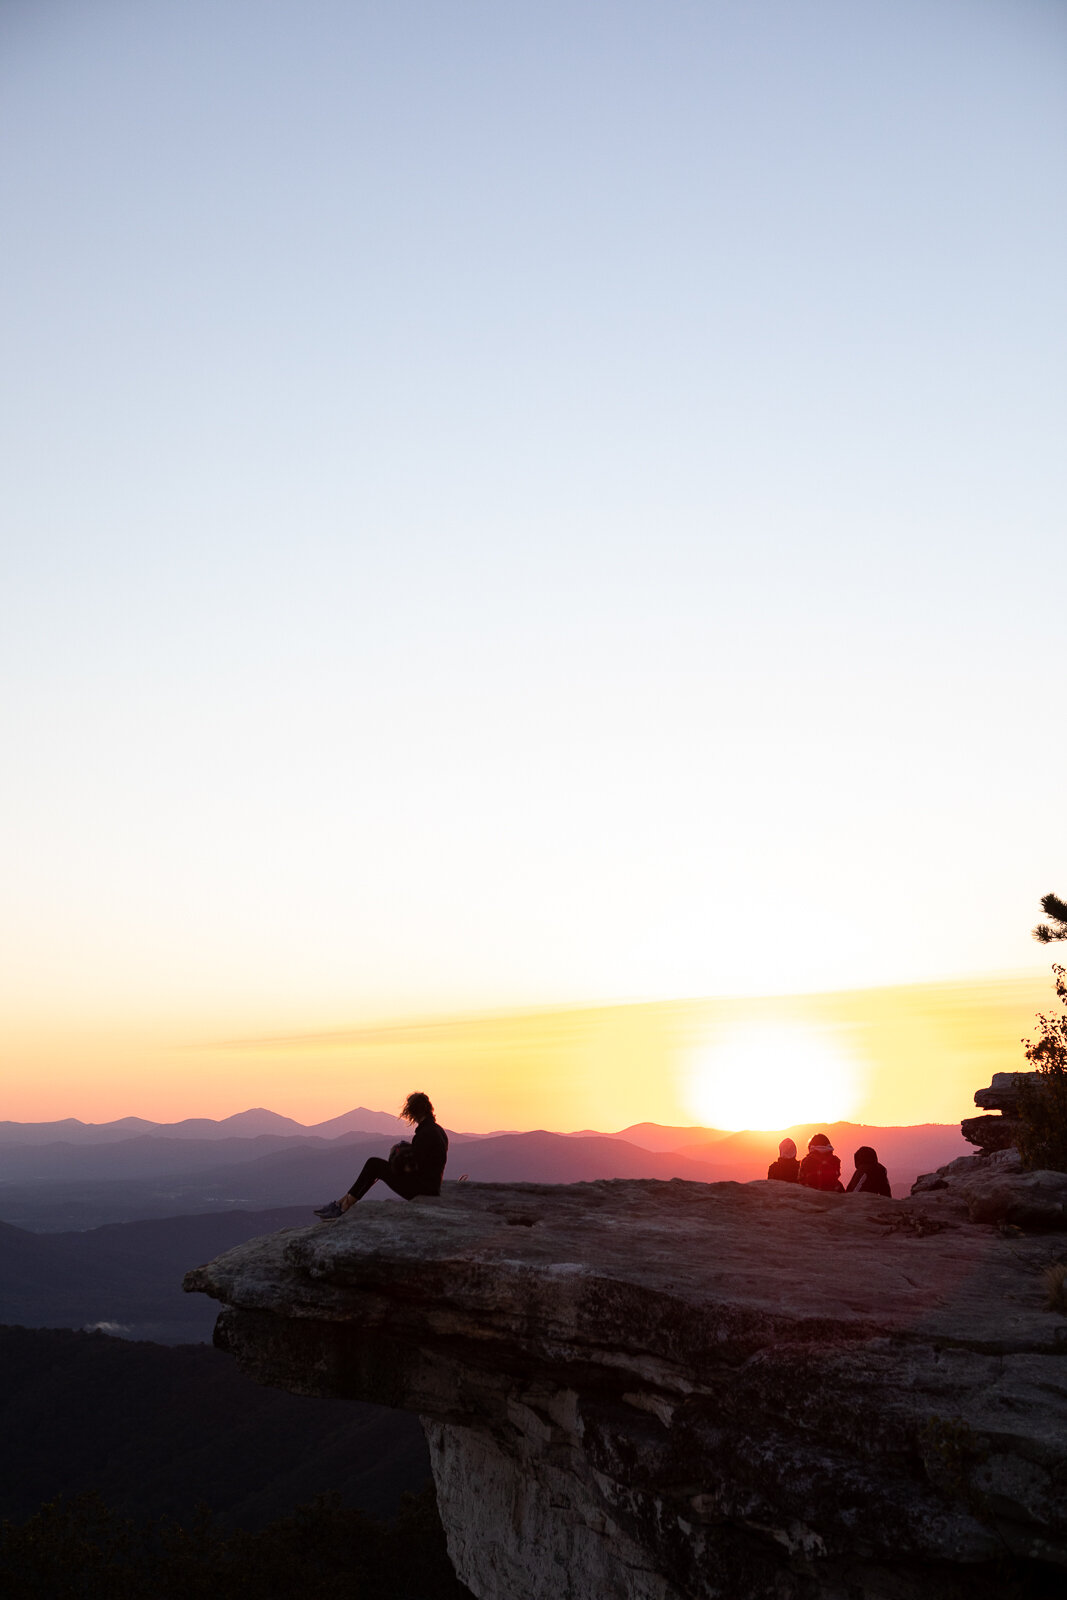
{"x": 892, "y": 1056}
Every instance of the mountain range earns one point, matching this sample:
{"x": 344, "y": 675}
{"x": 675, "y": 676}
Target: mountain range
{"x": 68, "y": 1176}
{"x": 242, "y": 1125}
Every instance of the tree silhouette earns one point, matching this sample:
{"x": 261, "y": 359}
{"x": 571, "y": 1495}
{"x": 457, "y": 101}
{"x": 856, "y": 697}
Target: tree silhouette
{"x": 1042, "y": 1137}
{"x": 1043, "y": 1100}
{"x": 1056, "y": 928}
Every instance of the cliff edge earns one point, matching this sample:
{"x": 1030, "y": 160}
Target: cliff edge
{"x": 679, "y": 1391}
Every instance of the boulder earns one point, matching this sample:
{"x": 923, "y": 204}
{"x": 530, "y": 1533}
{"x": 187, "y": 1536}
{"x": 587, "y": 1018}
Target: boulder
{"x": 1003, "y": 1091}
{"x": 998, "y": 1132}
{"x": 684, "y": 1391}
{"x": 993, "y": 1187}
{"x": 990, "y": 1133}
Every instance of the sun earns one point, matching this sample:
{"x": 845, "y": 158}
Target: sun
{"x": 772, "y": 1075}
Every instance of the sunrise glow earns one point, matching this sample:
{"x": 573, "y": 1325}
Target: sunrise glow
{"x": 772, "y": 1075}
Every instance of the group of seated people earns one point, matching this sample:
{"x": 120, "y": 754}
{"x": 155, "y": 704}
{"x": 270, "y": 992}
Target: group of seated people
{"x": 821, "y": 1169}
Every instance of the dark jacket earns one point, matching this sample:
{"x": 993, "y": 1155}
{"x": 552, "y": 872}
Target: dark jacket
{"x": 821, "y": 1169}
{"x": 786, "y": 1169}
{"x": 429, "y": 1146}
{"x": 872, "y": 1179}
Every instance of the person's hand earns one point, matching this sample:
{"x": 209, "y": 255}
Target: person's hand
{"x": 346, "y": 1201}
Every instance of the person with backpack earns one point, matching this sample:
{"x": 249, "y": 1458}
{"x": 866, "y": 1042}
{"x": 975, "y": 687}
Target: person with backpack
{"x": 820, "y": 1168}
{"x": 870, "y": 1175}
{"x": 787, "y": 1168}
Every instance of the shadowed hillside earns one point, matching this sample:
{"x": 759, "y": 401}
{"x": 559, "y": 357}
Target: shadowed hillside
{"x": 127, "y": 1275}
{"x": 157, "y": 1431}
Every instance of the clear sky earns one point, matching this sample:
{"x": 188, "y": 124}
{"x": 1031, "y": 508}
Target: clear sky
{"x": 521, "y": 504}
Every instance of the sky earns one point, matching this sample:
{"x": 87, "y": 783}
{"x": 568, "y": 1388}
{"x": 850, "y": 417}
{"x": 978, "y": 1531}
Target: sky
{"x": 516, "y": 510}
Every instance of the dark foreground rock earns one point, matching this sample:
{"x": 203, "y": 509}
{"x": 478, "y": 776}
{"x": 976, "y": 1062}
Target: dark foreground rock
{"x": 665, "y": 1390}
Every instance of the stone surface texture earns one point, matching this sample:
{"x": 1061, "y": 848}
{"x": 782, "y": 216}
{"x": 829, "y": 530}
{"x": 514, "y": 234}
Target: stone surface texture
{"x": 991, "y": 1133}
{"x": 682, "y": 1391}
{"x": 993, "y": 1187}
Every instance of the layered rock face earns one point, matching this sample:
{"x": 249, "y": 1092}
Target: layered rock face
{"x": 678, "y": 1391}
{"x": 997, "y": 1132}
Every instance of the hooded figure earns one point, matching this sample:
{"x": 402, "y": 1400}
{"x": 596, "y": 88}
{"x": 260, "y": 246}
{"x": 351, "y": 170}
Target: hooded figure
{"x": 820, "y": 1168}
{"x": 870, "y": 1175}
{"x": 787, "y": 1168}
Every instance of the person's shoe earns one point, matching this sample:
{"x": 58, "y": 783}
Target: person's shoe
{"x": 330, "y": 1210}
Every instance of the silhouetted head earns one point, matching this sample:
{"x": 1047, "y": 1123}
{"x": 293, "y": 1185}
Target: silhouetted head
{"x": 820, "y": 1143}
{"x": 417, "y": 1106}
{"x": 787, "y": 1148}
{"x": 865, "y": 1156}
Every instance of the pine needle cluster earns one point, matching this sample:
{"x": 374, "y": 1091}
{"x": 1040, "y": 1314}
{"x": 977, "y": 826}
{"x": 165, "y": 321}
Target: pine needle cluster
{"x": 1055, "y": 929}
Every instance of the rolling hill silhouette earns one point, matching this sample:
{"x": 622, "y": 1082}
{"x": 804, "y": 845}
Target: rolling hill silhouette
{"x": 163, "y": 1432}
{"x": 126, "y": 1276}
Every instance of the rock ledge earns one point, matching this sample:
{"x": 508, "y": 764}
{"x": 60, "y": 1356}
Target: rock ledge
{"x": 679, "y": 1391}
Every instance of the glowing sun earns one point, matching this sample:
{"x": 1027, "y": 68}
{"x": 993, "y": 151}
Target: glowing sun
{"x": 772, "y": 1075}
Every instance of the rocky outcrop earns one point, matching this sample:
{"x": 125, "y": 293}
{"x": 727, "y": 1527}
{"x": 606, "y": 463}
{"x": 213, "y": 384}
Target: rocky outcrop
{"x": 994, "y": 1187}
{"x": 995, "y": 1132}
{"x": 680, "y": 1391}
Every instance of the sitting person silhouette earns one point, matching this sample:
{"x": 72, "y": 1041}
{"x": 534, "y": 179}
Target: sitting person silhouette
{"x": 413, "y": 1168}
{"x": 787, "y": 1168}
{"x": 820, "y": 1168}
{"x": 870, "y": 1175}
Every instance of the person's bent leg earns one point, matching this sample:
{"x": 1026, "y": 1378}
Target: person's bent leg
{"x": 373, "y": 1169}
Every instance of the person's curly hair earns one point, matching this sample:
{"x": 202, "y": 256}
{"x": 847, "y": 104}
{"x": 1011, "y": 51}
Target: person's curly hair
{"x": 416, "y": 1106}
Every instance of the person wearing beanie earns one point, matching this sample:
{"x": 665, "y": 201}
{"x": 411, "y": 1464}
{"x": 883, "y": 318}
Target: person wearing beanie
{"x": 820, "y": 1168}
{"x": 870, "y": 1175}
{"x": 787, "y": 1168}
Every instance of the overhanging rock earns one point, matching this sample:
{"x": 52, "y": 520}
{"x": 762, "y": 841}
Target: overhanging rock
{"x": 1000, "y": 1132}
{"x": 678, "y": 1391}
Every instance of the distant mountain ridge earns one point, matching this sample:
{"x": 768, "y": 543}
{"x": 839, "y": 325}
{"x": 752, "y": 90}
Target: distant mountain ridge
{"x": 66, "y": 1186}
{"x": 242, "y": 1125}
